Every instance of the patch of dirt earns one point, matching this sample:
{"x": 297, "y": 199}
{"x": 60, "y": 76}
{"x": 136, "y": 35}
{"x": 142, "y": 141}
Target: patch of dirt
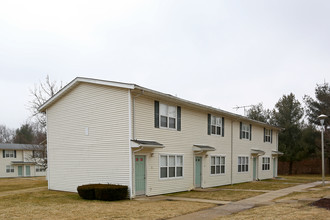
{"x": 322, "y": 203}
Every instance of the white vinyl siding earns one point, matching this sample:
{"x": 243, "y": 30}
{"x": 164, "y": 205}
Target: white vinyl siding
{"x": 102, "y": 156}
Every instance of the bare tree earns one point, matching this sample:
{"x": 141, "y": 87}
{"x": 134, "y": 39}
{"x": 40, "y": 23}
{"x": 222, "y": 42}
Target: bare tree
{"x": 41, "y": 93}
{"x": 6, "y": 134}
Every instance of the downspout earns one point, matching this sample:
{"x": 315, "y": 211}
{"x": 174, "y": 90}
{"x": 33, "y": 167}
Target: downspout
{"x": 48, "y": 168}
{"x": 131, "y": 107}
{"x": 130, "y": 144}
{"x": 231, "y": 153}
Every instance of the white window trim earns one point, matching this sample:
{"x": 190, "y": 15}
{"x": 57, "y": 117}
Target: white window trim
{"x": 170, "y": 178}
{"x": 246, "y": 131}
{"x": 11, "y": 169}
{"x": 217, "y": 174}
{"x": 267, "y": 135}
{"x": 9, "y": 153}
{"x": 248, "y": 163}
{"x": 216, "y": 125}
{"x": 39, "y": 169}
{"x": 263, "y": 164}
{"x": 168, "y": 118}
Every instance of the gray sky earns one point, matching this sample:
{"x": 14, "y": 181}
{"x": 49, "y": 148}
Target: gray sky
{"x": 218, "y": 53}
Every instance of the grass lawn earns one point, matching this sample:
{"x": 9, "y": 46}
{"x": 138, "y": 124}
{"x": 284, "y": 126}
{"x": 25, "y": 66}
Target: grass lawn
{"x": 9, "y": 184}
{"x": 46, "y": 204}
{"x": 260, "y": 185}
{"x": 235, "y": 195}
{"x": 222, "y": 195}
{"x": 299, "y": 210}
{"x": 291, "y": 210}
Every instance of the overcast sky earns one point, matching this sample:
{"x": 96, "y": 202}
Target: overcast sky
{"x": 219, "y": 53}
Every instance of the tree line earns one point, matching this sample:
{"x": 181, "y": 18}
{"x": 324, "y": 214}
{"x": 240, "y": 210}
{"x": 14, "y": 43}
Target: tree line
{"x": 300, "y": 136}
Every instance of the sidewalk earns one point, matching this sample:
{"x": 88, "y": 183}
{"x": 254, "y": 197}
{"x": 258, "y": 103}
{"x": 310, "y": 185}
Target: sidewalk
{"x": 244, "y": 204}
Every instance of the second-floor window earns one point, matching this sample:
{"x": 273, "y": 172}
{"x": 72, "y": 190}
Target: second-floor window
{"x": 268, "y": 135}
{"x": 215, "y": 125}
{"x": 245, "y": 131}
{"x": 9, "y": 153}
{"x": 167, "y": 116}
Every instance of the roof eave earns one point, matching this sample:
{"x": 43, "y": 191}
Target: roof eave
{"x": 206, "y": 107}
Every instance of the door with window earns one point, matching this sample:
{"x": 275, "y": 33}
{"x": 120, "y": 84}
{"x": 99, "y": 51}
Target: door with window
{"x": 27, "y": 171}
{"x": 140, "y": 175}
{"x": 20, "y": 171}
{"x": 198, "y": 171}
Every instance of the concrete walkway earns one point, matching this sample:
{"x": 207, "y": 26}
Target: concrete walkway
{"x": 13, "y": 192}
{"x": 244, "y": 204}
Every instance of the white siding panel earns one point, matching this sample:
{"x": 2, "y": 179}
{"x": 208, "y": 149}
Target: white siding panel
{"x": 193, "y": 131}
{"x": 101, "y": 156}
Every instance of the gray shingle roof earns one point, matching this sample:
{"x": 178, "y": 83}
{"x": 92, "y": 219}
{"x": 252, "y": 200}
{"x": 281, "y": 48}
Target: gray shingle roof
{"x": 18, "y": 147}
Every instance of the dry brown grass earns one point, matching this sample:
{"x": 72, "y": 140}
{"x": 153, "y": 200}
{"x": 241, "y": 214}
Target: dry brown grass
{"x": 282, "y": 211}
{"x": 259, "y": 185}
{"x": 297, "y": 209}
{"x": 9, "y": 184}
{"x": 319, "y": 193}
{"x": 221, "y": 195}
{"x": 301, "y": 178}
{"x": 63, "y": 205}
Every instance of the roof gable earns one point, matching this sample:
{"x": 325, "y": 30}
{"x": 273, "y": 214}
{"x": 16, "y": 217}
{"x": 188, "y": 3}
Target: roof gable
{"x": 78, "y": 80}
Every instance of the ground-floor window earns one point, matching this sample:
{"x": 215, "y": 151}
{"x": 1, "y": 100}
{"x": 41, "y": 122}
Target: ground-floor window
{"x": 266, "y": 163}
{"x": 9, "y": 169}
{"x": 243, "y": 164}
{"x": 217, "y": 164}
{"x": 171, "y": 166}
{"x": 40, "y": 169}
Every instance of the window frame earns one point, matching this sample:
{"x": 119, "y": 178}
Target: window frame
{"x": 265, "y": 163}
{"x": 10, "y": 169}
{"x": 268, "y": 134}
{"x": 162, "y": 105}
{"x": 217, "y": 125}
{"x": 242, "y": 167}
{"x": 9, "y": 153}
{"x": 246, "y": 131}
{"x": 168, "y": 166}
{"x": 222, "y": 158}
{"x": 40, "y": 168}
